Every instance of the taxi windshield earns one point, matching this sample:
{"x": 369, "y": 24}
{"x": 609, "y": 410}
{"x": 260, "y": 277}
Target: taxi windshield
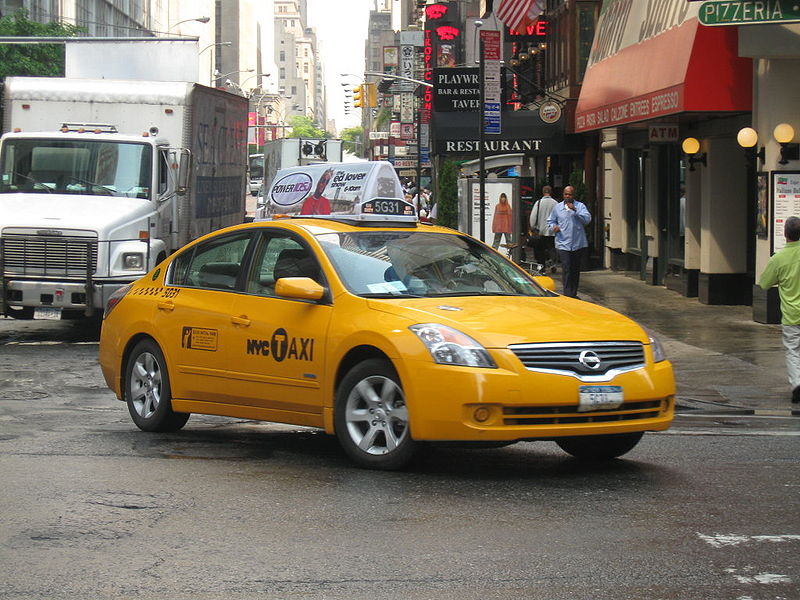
{"x": 389, "y": 264}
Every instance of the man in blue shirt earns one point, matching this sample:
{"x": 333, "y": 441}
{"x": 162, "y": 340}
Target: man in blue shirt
{"x": 567, "y": 221}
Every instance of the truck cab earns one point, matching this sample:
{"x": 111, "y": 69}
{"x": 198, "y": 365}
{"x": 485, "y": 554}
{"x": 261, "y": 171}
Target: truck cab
{"x": 85, "y": 211}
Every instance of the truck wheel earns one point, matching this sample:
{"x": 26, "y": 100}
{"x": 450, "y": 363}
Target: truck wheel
{"x": 600, "y": 447}
{"x": 23, "y": 313}
{"x": 147, "y": 391}
{"x": 371, "y": 417}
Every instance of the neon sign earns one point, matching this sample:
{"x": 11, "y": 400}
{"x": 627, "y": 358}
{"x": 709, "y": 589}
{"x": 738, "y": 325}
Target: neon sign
{"x": 435, "y": 11}
{"x": 539, "y": 28}
{"x": 448, "y": 32}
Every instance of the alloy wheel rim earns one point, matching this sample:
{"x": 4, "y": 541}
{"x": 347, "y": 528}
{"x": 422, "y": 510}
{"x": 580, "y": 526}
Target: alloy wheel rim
{"x": 376, "y": 415}
{"x": 145, "y": 386}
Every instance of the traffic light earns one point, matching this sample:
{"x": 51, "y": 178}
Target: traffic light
{"x": 372, "y": 94}
{"x": 358, "y": 96}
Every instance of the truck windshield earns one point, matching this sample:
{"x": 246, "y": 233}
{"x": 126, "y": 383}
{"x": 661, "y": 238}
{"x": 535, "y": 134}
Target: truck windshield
{"x": 96, "y": 168}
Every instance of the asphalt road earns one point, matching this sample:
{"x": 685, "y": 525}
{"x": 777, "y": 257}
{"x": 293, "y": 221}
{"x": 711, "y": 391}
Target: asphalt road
{"x": 231, "y": 509}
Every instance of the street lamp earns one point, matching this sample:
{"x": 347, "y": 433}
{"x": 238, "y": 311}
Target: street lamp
{"x": 198, "y": 19}
{"x": 218, "y": 75}
{"x": 259, "y": 75}
{"x": 217, "y": 44}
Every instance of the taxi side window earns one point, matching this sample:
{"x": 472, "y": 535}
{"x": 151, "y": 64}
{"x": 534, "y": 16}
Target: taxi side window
{"x": 214, "y": 264}
{"x": 279, "y": 256}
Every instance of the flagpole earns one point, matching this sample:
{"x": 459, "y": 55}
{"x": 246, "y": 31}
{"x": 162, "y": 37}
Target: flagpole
{"x": 481, "y": 139}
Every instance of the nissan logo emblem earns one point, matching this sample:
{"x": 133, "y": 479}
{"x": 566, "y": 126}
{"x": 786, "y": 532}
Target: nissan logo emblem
{"x": 589, "y": 359}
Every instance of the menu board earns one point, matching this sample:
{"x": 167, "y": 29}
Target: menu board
{"x": 785, "y": 203}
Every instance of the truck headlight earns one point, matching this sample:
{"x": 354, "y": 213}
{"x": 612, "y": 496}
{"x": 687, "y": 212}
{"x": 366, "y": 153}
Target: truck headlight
{"x": 449, "y": 346}
{"x": 133, "y": 261}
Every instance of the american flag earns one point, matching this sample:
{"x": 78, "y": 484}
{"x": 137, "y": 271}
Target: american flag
{"x": 518, "y": 14}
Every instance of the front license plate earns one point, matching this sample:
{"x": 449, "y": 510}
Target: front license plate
{"x": 47, "y": 312}
{"x": 599, "y": 397}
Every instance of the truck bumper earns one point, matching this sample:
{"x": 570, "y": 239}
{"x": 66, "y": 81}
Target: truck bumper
{"x": 66, "y": 295}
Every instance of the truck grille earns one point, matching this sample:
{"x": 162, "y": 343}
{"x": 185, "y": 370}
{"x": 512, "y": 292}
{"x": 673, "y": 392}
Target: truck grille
{"x": 49, "y": 255}
{"x": 585, "y": 360}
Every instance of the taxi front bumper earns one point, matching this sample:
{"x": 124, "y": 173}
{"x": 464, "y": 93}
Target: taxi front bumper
{"x": 451, "y": 403}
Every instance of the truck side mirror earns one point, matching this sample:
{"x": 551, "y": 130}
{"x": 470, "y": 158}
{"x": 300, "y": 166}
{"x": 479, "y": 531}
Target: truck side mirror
{"x": 183, "y": 158}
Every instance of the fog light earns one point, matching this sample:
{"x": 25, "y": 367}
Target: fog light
{"x": 481, "y": 414}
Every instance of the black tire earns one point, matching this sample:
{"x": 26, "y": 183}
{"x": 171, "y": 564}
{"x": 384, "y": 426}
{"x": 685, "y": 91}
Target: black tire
{"x": 371, "y": 417}
{"x": 600, "y": 447}
{"x": 23, "y": 313}
{"x": 147, "y": 391}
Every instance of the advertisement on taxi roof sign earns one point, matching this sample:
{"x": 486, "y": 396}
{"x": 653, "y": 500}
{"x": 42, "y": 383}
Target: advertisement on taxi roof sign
{"x": 331, "y": 189}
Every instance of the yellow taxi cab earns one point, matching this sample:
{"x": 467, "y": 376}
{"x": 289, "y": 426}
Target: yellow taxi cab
{"x": 388, "y": 334}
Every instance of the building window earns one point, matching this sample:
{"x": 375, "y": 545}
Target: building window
{"x": 294, "y": 90}
{"x": 283, "y": 55}
{"x": 283, "y": 73}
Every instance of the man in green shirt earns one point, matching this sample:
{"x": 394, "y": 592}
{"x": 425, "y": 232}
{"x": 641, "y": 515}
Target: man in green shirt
{"x": 783, "y": 269}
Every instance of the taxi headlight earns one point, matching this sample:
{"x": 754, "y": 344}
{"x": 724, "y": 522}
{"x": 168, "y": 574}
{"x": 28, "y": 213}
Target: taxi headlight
{"x": 132, "y": 261}
{"x": 449, "y": 346}
{"x": 655, "y": 344}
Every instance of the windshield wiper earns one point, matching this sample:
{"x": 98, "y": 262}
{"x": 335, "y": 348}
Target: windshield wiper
{"x": 34, "y": 181}
{"x": 92, "y": 184}
{"x": 389, "y": 295}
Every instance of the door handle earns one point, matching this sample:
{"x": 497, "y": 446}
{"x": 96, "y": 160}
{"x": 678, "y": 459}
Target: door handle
{"x": 168, "y": 305}
{"x": 242, "y": 320}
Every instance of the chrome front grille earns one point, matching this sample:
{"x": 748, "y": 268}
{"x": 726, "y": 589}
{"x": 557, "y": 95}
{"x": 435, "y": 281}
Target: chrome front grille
{"x": 49, "y": 255}
{"x": 588, "y": 361}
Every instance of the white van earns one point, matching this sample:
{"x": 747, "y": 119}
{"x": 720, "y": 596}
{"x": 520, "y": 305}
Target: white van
{"x": 338, "y": 190}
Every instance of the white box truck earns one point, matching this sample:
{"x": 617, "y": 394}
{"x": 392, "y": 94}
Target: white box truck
{"x": 102, "y": 179}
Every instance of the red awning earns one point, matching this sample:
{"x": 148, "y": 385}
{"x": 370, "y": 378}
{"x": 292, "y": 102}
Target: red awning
{"x": 687, "y": 68}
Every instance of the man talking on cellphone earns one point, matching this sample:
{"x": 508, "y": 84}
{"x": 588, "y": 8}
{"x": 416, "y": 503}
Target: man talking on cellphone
{"x": 567, "y": 220}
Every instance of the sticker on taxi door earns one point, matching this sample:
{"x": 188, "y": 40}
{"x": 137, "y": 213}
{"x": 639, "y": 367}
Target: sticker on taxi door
{"x": 199, "y": 338}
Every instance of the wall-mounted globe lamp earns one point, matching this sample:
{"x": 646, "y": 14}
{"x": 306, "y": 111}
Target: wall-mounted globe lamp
{"x": 691, "y": 146}
{"x": 784, "y": 135}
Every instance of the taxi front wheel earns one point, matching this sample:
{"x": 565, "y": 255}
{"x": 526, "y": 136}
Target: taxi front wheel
{"x": 600, "y": 447}
{"x": 371, "y": 417}
{"x": 147, "y": 390}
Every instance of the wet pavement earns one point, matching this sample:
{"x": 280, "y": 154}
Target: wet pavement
{"x": 724, "y": 361}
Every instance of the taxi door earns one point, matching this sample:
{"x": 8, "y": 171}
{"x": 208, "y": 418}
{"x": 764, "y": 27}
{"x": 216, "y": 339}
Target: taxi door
{"x": 194, "y": 325}
{"x": 278, "y": 343}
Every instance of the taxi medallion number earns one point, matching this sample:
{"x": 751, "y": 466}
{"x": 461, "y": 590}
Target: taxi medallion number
{"x": 387, "y": 206}
{"x": 599, "y": 397}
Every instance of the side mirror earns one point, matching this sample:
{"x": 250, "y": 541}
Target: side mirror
{"x": 183, "y": 161}
{"x": 299, "y": 288}
{"x": 546, "y": 282}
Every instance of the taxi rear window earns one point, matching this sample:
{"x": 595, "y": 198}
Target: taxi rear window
{"x": 391, "y": 264}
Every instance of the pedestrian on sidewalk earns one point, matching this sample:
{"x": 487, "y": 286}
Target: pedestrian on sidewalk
{"x": 783, "y": 269}
{"x": 544, "y": 244}
{"x": 567, "y": 220}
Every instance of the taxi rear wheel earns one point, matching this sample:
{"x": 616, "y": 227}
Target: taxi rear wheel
{"x": 371, "y": 417}
{"x": 600, "y": 447}
{"x": 147, "y": 390}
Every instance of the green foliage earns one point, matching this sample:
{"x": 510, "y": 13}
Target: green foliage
{"x": 353, "y": 139}
{"x": 40, "y": 60}
{"x": 447, "y": 195}
{"x": 576, "y": 181}
{"x": 303, "y": 127}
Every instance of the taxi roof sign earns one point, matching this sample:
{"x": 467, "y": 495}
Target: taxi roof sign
{"x": 355, "y": 191}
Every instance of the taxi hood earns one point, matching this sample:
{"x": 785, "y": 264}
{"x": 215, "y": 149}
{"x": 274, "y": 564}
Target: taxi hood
{"x": 69, "y": 211}
{"x": 497, "y": 321}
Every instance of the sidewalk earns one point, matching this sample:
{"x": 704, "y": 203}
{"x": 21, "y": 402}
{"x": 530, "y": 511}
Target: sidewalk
{"x": 724, "y": 361}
